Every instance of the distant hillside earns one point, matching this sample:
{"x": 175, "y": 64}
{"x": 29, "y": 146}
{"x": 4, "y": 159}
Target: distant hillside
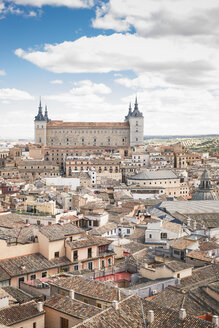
{"x": 181, "y": 137}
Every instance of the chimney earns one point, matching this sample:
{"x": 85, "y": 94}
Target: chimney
{"x": 215, "y": 321}
{"x": 195, "y": 225}
{"x": 182, "y": 314}
{"x": 40, "y": 306}
{"x": 150, "y": 316}
{"x": 188, "y": 222}
{"x": 115, "y": 304}
{"x": 72, "y": 294}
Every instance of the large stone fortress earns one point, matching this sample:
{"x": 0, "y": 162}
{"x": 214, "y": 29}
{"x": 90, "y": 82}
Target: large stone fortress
{"x": 59, "y": 134}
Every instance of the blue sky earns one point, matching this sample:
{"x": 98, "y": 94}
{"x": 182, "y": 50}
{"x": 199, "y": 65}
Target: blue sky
{"x": 88, "y": 59}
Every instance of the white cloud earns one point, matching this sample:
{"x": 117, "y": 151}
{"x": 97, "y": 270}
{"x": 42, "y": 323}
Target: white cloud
{"x": 2, "y": 72}
{"x": 175, "y": 61}
{"x": 67, "y": 3}
{"x": 56, "y": 82}
{"x": 83, "y": 92}
{"x": 159, "y": 18}
{"x": 14, "y": 95}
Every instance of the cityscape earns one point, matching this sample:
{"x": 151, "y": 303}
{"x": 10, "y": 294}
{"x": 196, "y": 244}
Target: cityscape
{"x": 109, "y": 164}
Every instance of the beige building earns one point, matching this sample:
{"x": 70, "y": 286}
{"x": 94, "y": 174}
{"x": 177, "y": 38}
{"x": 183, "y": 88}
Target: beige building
{"x": 166, "y": 179}
{"x": 73, "y": 136}
{"x": 35, "y": 169}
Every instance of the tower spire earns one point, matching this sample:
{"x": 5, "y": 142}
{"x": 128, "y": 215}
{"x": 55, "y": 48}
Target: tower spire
{"x": 40, "y": 116}
{"x": 136, "y": 103}
{"x": 130, "y": 108}
{"x": 46, "y": 115}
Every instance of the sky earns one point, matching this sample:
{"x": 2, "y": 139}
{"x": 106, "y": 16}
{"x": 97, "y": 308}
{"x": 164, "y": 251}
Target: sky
{"x": 88, "y": 59}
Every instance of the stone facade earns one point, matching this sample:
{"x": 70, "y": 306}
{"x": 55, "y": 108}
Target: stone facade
{"x": 59, "y": 134}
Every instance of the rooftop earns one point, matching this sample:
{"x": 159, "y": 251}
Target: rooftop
{"x": 30, "y": 263}
{"x": 89, "y": 240}
{"x": 132, "y": 311}
{"x": 60, "y": 231}
{"x": 154, "y": 175}
{"x": 18, "y": 313}
{"x": 89, "y": 288}
{"x": 72, "y": 307}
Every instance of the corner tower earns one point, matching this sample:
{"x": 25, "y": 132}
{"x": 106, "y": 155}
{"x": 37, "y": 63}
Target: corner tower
{"x": 136, "y": 123}
{"x": 40, "y": 122}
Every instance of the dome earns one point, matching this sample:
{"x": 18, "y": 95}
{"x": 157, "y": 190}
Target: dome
{"x": 205, "y": 190}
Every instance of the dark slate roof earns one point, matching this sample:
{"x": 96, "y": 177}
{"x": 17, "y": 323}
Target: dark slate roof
{"x": 72, "y": 307}
{"x": 58, "y": 231}
{"x": 30, "y": 263}
{"x": 89, "y": 288}
{"x": 130, "y": 314}
{"x": 154, "y": 175}
{"x": 19, "y": 295}
{"x": 18, "y": 313}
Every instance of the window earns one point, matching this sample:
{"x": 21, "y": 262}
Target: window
{"x": 150, "y": 236}
{"x": 75, "y": 267}
{"x": 109, "y": 262}
{"x": 34, "y": 325}
{"x": 65, "y": 268}
{"x": 99, "y": 305}
{"x": 176, "y": 252}
{"x": 32, "y": 277}
{"x": 44, "y": 274}
{"x": 128, "y": 231}
{"x": 64, "y": 323}
{"x": 75, "y": 255}
{"x": 102, "y": 264}
{"x": 89, "y": 253}
{"x": 56, "y": 255}
{"x": 90, "y": 266}
{"x": 163, "y": 235}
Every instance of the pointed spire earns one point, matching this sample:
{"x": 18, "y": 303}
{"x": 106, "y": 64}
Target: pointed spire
{"x": 40, "y": 106}
{"x": 40, "y": 116}
{"x": 136, "y": 103}
{"x": 130, "y": 108}
{"x": 46, "y": 114}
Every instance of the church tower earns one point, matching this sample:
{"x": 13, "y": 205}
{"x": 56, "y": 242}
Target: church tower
{"x": 40, "y": 122}
{"x": 136, "y": 123}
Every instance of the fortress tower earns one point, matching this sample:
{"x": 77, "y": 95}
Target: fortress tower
{"x": 40, "y": 123}
{"x": 136, "y": 123}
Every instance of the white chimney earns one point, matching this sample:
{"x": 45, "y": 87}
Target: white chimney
{"x": 115, "y": 304}
{"x": 195, "y": 225}
{"x": 215, "y": 320}
{"x": 182, "y": 314}
{"x": 72, "y": 294}
{"x": 40, "y": 306}
{"x": 150, "y": 316}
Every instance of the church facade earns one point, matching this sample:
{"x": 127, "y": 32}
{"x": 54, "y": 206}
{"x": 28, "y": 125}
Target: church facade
{"x": 110, "y": 135}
